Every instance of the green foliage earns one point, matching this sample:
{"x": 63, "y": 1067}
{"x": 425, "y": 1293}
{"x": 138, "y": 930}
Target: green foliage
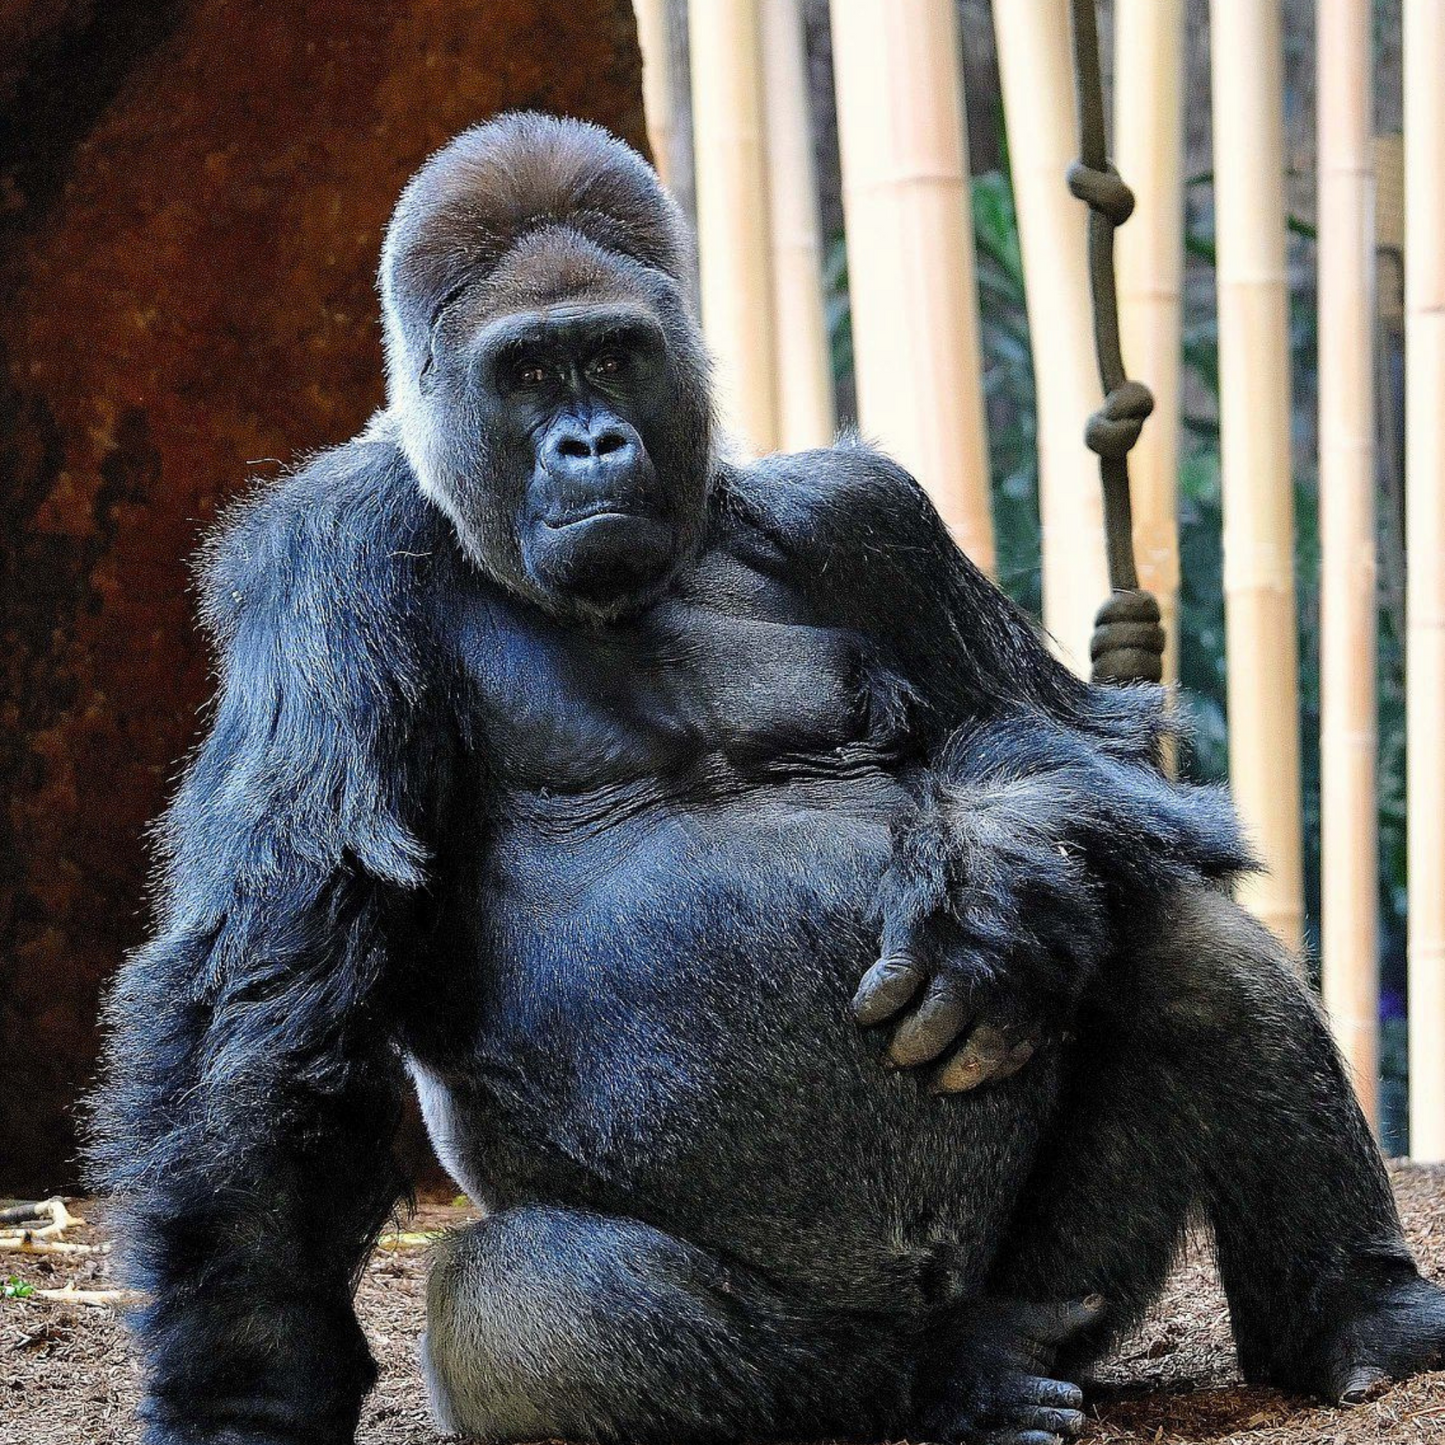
{"x": 1008, "y": 384}
{"x": 13, "y": 1288}
{"x": 838, "y": 315}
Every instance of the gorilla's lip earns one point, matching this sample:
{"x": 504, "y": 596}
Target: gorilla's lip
{"x": 597, "y": 512}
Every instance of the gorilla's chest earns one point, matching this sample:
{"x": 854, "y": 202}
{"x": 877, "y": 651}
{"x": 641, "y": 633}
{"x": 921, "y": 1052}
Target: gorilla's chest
{"x": 685, "y": 827}
{"x": 725, "y": 681}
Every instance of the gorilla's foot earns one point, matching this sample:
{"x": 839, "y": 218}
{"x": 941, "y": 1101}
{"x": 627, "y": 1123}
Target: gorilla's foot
{"x": 1400, "y": 1334}
{"x": 1385, "y": 1331}
{"x": 990, "y": 1382}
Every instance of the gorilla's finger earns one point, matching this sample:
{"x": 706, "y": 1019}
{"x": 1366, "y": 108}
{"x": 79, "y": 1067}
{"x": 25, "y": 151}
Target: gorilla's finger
{"x": 1056, "y": 1422}
{"x": 886, "y": 988}
{"x": 1045, "y": 1393}
{"x": 986, "y": 1051}
{"x": 930, "y": 1028}
{"x": 1352, "y": 1386}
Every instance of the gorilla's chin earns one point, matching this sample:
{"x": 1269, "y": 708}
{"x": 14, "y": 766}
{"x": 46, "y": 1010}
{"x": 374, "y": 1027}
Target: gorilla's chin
{"x": 607, "y": 563}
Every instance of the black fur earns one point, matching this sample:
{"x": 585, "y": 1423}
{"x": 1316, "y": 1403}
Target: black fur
{"x": 599, "y": 851}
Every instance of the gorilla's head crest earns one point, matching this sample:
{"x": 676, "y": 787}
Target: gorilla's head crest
{"x": 529, "y": 207}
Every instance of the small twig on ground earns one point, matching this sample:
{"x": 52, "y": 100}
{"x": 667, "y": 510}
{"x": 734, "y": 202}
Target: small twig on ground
{"x": 53, "y": 1210}
{"x": 44, "y": 1239}
{"x": 111, "y": 1298}
{"x": 409, "y": 1240}
{"x": 24, "y": 1244}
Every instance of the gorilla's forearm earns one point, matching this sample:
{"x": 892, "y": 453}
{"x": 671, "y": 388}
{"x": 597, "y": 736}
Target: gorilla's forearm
{"x": 246, "y": 1132}
{"x": 1133, "y": 830}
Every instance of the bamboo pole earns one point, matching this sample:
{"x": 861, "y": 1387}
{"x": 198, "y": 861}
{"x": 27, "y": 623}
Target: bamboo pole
{"x": 1424, "y": 37}
{"x": 1036, "y": 73}
{"x": 1149, "y": 260}
{"x": 910, "y": 251}
{"x": 656, "y": 82}
{"x": 734, "y": 251}
{"x": 804, "y": 364}
{"x": 1246, "y": 48}
{"x": 1349, "y": 863}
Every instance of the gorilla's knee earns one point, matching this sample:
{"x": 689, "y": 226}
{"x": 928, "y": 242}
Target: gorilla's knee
{"x": 1208, "y": 963}
{"x": 502, "y": 1327}
{"x": 557, "y": 1323}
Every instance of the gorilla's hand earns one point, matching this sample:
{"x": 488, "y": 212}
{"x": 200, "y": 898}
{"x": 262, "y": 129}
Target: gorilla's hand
{"x": 1031, "y": 849}
{"x": 991, "y": 928}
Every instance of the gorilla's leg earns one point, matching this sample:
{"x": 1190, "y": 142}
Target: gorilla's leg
{"x": 547, "y": 1323}
{"x": 557, "y": 1323}
{"x": 1205, "y": 1083}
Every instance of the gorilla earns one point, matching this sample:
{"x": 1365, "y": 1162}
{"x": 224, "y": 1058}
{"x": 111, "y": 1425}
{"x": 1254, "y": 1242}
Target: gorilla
{"x": 835, "y": 1010}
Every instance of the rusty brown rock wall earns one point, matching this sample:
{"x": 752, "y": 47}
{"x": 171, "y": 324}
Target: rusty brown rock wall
{"x": 192, "y": 197}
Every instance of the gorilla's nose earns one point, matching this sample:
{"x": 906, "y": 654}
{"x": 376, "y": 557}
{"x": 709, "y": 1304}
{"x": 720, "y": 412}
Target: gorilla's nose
{"x": 592, "y": 456}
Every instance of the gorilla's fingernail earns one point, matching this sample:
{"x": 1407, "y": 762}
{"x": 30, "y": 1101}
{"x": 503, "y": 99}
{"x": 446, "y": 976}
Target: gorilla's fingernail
{"x": 1094, "y": 1302}
{"x": 885, "y": 989}
{"x": 958, "y": 1076}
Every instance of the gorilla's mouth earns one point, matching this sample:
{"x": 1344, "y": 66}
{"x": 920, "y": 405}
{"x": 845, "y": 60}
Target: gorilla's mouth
{"x": 596, "y": 512}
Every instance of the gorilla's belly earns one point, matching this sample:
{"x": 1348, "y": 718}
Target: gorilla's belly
{"x": 667, "y": 1034}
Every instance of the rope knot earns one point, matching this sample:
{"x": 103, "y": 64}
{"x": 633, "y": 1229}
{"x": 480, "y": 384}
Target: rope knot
{"x": 1128, "y": 641}
{"x": 1115, "y": 427}
{"x": 1102, "y": 191}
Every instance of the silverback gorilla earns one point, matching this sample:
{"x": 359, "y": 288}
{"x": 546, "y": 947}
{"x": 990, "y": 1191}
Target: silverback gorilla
{"x": 835, "y": 1009}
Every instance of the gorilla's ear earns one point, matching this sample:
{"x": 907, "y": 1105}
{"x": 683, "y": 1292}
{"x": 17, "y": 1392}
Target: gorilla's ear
{"x": 474, "y": 200}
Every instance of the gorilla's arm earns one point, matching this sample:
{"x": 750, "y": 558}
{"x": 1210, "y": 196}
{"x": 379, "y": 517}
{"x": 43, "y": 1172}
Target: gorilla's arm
{"x": 1043, "y": 815}
{"x": 252, "y": 1090}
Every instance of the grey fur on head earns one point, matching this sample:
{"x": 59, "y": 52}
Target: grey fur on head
{"x": 499, "y": 185}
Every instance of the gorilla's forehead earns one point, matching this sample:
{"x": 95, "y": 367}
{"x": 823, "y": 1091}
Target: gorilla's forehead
{"x": 553, "y": 267}
{"x": 572, "y": 320}
{"x": 557, "y": 266}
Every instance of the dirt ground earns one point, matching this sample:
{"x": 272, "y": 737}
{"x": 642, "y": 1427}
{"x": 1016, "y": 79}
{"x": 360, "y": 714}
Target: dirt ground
{"x": 65, "y": 1378}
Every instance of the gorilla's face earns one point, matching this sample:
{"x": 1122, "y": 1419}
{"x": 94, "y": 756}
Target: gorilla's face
{"x": 568, "y": 440}
{"x": 577, "y": 398}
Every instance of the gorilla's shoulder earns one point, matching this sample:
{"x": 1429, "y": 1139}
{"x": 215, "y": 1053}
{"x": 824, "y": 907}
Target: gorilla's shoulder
{"x": 344, "y": 529}
{"x": 849, "y": 489}
{"x": 344, "y": 541}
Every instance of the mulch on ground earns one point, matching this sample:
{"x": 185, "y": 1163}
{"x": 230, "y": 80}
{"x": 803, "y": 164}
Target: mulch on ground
{"x": 65, "y": 1375}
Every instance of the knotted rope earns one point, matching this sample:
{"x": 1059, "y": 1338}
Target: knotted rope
{"x": 1128, "y": 642}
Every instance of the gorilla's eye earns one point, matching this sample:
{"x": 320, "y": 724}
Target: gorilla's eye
{"x": 530, "y": 373}
{"x": 609, "y": 363}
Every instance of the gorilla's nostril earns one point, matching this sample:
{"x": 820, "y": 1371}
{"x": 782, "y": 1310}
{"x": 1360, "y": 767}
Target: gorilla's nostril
{"x": 573, "y": 446}
{"x": 611, "y": 441}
